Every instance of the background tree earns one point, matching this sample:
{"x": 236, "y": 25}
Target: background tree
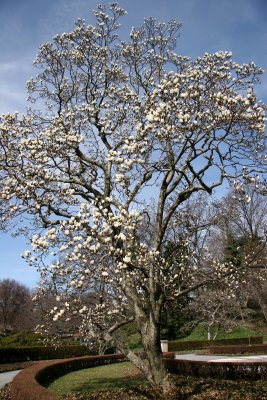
{"x": 218, "y": 309}
{"x": 239, "y": 236}
{"x": 115, "y": 120}
{"x": 15, "y": 306}
{"x": 187, "y": 242}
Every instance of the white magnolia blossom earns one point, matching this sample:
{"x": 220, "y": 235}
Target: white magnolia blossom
{"x": 116, "y": 126}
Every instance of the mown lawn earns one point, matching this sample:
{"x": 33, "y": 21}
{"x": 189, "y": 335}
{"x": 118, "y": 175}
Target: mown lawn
{"x": 200, "y": 333}
{"x": 121, "y": 375}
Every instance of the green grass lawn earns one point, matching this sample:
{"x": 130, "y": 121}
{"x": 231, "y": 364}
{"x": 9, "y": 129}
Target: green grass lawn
{"x": 120, "y": 375}
{"x": 200, "y": 333}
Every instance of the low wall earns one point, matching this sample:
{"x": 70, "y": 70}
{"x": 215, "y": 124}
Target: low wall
{"x": 27, "y": 385}
{"x": 219, "y": 369}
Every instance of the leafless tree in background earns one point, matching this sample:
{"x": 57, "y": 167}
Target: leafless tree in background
{"x": 15, "y": 304}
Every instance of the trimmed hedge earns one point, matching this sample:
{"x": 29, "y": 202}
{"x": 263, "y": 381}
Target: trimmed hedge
{"x": 27, "y": 384}
{"x": 254, "y": 348}
{"x": 175, "y": 345}
{"x": 222, "y": 370}
{"x": 17, "y": 354}
{"x": 41, "y": 353}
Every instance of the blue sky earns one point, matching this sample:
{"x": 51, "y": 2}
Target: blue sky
{"x": 208, "y": 26}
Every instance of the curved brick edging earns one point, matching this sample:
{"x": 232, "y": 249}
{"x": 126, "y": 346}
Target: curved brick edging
{"x": 27, "y": 385}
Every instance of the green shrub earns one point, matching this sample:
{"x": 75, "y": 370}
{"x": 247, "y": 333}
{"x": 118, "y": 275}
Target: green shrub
{"x": 175, "y": 345}
{"x": 41, "y": 353}
{"x": 135, "y": 341}
{"x": 22, "y": 339}
{"x": 239, "y": 349}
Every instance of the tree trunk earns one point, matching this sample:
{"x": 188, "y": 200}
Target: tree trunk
{"x": 216, "y": 333}
{"x": 152, "y": 365}
{"x": 157, "y": 375}
{"x": 147, "y": 320}
{"x": 209, "y": 327}
{"x": 261, "y": 297}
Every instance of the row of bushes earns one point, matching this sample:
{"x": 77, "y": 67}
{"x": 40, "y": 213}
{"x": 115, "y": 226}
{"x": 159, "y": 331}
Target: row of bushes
{"x": 50, "y": 352}
{"x": 27, "y": 385}
{"x": 41, "y": 353}
{"x": 253, "y": 348}
{"x": 22, "y": 339}
{"x": 175, "y": 345}
{"x": 216, "y": 369}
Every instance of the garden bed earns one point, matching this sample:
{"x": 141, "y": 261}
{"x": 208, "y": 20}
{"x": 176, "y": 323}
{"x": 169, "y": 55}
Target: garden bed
{"x": 27, "y": 385}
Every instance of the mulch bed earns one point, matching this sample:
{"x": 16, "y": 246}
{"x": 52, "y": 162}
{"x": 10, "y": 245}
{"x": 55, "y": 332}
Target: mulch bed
{"x": 187, "y": 389}
{"x": 5, "y": 393}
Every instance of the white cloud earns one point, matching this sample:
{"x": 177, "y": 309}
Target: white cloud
{"x": 12, "y": 98}
{"x": 64, "y": 13}
{"x": 13, "y": 66}
{"x": 8, "y": 66}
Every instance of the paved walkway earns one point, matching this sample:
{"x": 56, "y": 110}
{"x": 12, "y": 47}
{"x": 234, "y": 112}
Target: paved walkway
{"x": 200, "y": 357}
{"x": 7, "y": 377}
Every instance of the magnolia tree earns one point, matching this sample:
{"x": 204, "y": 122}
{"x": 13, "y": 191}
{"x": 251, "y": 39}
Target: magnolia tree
{"x": 112, "y": 123}
{"x": 216, "y": 309}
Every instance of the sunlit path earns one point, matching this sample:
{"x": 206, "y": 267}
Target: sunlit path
{"x": 7, "y": 377}
{"x": 200, "y": 357}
